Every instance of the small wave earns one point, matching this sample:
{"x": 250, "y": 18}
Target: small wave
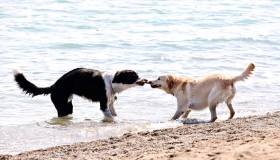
{"x": 242, "y": 39}
{"x": 32, "y": 29}
{"x": 204, "y": 58}
{"x": 47, "y": 136}
{"x": 64, "y": 1}
{"x": 69, "y": 46}
{"x": 78, "y": 46}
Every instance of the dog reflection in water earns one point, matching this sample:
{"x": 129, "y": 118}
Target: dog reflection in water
{"x": 62, "y": 121}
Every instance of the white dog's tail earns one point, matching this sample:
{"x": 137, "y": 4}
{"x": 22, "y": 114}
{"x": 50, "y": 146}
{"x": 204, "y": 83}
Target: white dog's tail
{"x": 246, "y": 74}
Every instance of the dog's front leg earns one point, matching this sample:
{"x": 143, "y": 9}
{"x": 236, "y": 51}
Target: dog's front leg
{"x": 106, "y": 111}
{"x": 186, "y": 114}
{"x": 178, "y": 113}
{"x": 111, "y": 105}
{"x": 112, "y": 108}
{"x": 188, "y": 110}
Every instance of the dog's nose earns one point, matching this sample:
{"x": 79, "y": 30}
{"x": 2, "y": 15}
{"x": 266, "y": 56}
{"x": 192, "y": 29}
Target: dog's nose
{"x": 149, "y": 82}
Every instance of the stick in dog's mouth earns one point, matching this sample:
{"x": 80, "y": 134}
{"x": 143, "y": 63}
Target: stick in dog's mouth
{"x": 153, "y": 85}
{"x": 142, "y": 82}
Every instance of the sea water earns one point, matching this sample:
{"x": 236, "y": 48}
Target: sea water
{"x": 46, "y": 38}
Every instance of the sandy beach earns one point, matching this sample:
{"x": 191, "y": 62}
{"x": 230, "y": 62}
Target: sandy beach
{"x": 254, "y": 137}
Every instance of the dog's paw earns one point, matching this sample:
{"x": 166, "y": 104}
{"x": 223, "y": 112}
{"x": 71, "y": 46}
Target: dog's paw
{"x": 213, "y": 119}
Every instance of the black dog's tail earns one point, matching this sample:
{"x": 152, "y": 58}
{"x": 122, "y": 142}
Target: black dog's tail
{"x": 28, "y": 87}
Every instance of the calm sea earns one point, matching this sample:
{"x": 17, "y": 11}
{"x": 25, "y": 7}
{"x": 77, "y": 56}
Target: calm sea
{"x": 46, "y": 38}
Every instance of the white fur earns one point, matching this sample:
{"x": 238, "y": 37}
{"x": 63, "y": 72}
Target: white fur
{"x": 108, "y": 78}
{"x": 70, "y": 98}
{"x": 17, "y": 71}
{"x": 119, "y": 87}
{"x": 112, "y": 89}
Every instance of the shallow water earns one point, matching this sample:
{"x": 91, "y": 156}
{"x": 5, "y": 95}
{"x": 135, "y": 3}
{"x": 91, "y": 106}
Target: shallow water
{"x": 48, "y": 38}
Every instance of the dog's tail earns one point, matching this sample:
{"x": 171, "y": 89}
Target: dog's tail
{"x": 245, "y": 75}
{"x": 28, "y": 87}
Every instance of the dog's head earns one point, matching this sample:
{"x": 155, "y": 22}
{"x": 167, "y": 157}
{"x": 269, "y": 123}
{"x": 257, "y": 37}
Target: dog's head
{"x": 169, "y": 83}
{"x": 126, "y": 79}
{"x": 165, "y": 83}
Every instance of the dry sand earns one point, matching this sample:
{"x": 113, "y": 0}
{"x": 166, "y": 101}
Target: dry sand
{"x": 255, "y": 137}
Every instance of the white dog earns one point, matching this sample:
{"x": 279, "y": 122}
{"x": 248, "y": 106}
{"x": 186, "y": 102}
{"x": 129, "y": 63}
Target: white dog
{"x": 194, "y": 94}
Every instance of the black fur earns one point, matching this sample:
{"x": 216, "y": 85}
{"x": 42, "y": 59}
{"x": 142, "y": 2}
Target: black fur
{"x": 87, "y": 83}
{"x": 30, "y": 88}
{"x": 125, "y": 77}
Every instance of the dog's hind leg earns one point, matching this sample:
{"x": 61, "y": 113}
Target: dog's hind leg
{"x": 61, "y": 104}
{"x": 232, "y": 112}
{"x": 229, "y": 103}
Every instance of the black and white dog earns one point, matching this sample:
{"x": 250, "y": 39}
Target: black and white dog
{"x": 89, "y": 83}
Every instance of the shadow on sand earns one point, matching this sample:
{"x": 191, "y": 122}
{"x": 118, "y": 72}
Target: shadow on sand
{"x": 193, "y": 121}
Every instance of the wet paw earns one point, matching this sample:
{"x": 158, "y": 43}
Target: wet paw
{"x": 213, "y": 119}
{"x": 231, "y": 115}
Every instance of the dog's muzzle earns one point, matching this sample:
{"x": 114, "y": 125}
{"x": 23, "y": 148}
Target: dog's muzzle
{"x": 154, "y": 85}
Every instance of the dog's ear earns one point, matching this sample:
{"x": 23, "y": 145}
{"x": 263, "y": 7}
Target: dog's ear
{"x": 184, "y": 84}
{"x": 170, "y": 82}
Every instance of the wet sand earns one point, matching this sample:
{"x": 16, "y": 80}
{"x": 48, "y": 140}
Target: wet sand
{"x": 255, "y": 137}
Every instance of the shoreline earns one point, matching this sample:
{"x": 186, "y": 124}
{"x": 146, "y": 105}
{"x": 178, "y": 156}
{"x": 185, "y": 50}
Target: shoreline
{"x": 253, "y": 137}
